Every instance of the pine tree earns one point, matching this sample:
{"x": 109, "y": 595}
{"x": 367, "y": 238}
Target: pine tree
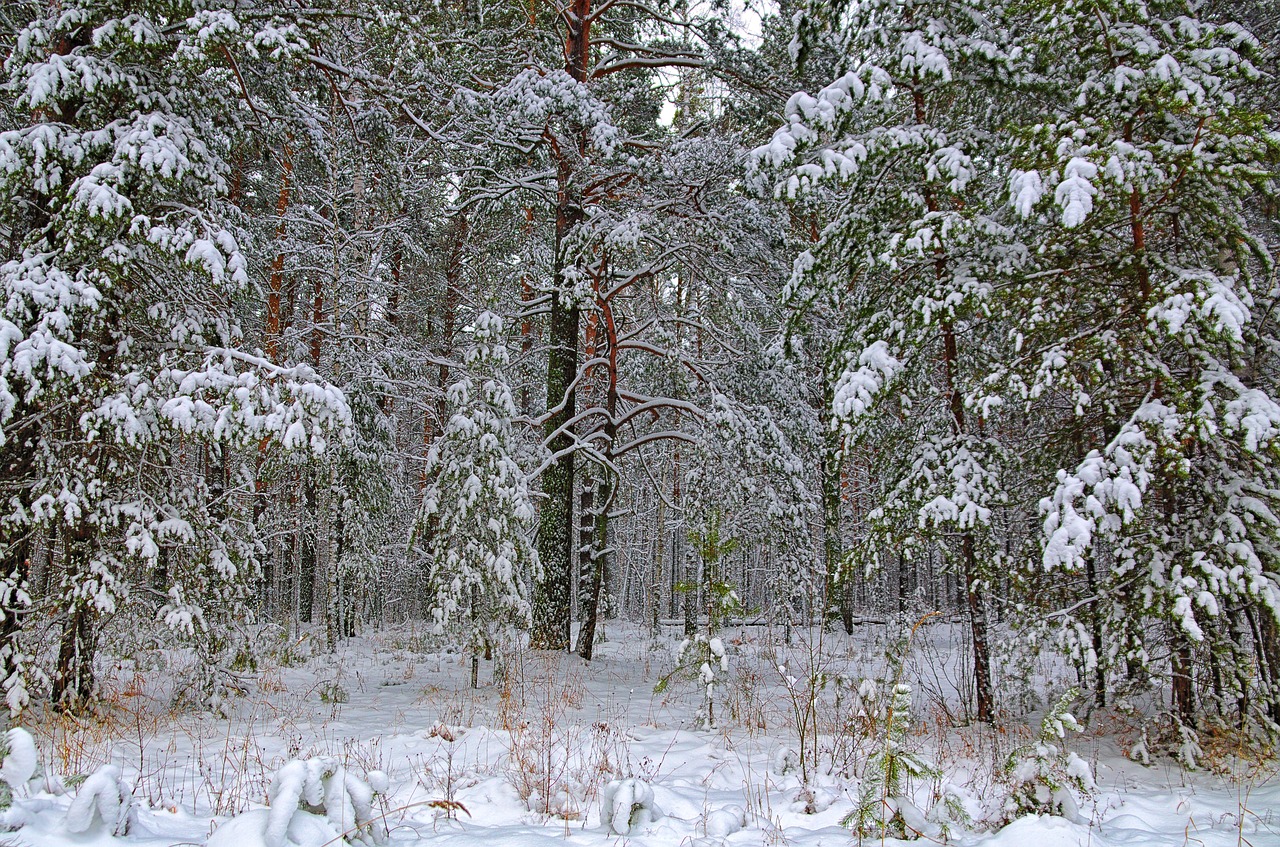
{"x": 569, "y": 113}
{"x": 884, "y": 804}
{"x": 911, "y": 257}
{"x": 1147, "y": 312}
{"x": 121, "y": 345}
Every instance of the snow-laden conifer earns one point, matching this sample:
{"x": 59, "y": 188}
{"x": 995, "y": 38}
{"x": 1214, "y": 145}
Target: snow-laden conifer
{"x": 104, "y": 802}
{"x": 884, "y": 804}
{"x": 20, "y": 758}
{"x": 476, "y": 513}
{"x": 1148, "y": 314}
{"x": 910, "y": 255}
{"x": 312, "y": 802}
{"x": 121, "y": 354}
{"x": 1044, "y": 777}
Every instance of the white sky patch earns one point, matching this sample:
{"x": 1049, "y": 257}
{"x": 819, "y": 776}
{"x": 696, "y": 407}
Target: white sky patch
{"x": 668, "y": 114}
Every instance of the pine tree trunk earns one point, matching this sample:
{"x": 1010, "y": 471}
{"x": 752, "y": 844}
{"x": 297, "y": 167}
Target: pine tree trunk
{"x": 1267, "y": 650}
{"x": 73, "y": 679}
{"x": 1095, "y": 625}
{"x": 275, "y": 282}
{"x": 978, "y": 628}
{"x": 586, "y": 537}
{"x": 903, "y": 588}
{"x": 1240, "y": 663}
{"x": 553, "y": 596}
{"x": 348, "y": 597}
{"x": 833, "y": 555}
{"x": 478, "y": 642}
{"x": 1216, "y": 681}
{"x": 1183, "y": 683}
{"x": 690, "y": 598}
{"x": 307, "y": 555}
{"x": 601, "y": 337}
{"x": 955, "y": 400}
{"x": 296, "y": 578}
{"x": 599, "y": 555}
{"x": 271, "y": 329}
{"x": 74, "y": 682}
{"x": 972, "y": 580}
{"x": 323, "y": 592}
{"x": 1096, "y": 607}
{"x": 660, "y": 546}
{"x": 333, "y": 584}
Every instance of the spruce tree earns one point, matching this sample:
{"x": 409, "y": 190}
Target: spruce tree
{"x": 477, "y": 515}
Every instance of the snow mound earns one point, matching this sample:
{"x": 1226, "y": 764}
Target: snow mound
{"x": 724, "y": 822}
{"x": 1042, "y": 831}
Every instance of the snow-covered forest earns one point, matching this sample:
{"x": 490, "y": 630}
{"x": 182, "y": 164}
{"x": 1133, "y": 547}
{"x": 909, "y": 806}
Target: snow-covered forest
{"x": 623, "y": 417}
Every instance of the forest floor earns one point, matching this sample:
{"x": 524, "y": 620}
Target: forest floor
{"x": 526, "y": 763}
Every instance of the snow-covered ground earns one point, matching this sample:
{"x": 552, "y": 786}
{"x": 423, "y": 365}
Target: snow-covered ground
{"x": 531, "y": 762}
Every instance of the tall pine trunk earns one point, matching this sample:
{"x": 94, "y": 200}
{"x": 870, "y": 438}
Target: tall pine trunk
{"x": 838, "y": 596}
{"x": 973, "y": 586}
{"x": 1266, "y": 643}
{"x": 1184, "y": 692}
{"x": 553, "y": 595}
{"x": 659, "y": 544}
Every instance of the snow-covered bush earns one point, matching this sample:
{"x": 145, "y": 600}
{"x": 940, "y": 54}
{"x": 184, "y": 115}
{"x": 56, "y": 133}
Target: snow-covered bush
{"x": 1168, "y": 736}
{"x": 1140, "y": 752}
{"x": 324, "y": 787}
{"x": 627, "y": 804}
{"x": 104, "y": 800}
{"x": 20, "y": 760}
{"x": 884, "y": 805}
{"x": 785, "y": 760}
{"x": 1189, "y": 751}
{"x": 1043, "y": 777}
{"x": 312, "y": 802}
